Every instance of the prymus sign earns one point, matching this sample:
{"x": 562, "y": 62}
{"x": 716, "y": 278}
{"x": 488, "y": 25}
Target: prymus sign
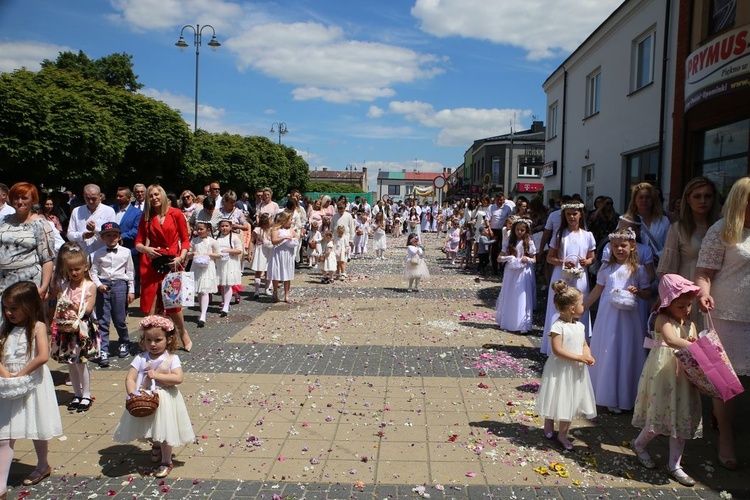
{"x": 719, "y": 67}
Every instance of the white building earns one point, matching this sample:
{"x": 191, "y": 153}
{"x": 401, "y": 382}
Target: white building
{"x": 609, "y": 107}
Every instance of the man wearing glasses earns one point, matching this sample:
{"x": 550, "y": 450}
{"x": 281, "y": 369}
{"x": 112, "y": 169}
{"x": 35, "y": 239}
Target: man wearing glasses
{"x": 139, "y": 193}
{"x": 215, "y": 192}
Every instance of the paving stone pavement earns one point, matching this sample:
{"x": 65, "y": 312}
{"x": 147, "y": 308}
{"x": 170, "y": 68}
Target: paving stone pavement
{"x": 357, "y": 390}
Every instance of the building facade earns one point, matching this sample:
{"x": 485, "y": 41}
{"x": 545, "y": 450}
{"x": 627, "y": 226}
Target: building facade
{"x": 712, "y": 93}
{"x": 609, "y": 107}
{"x": 355, "y": 177}
{"x": 405, "y": 184}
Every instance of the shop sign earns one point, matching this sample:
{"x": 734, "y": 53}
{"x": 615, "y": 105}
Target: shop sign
{"x": 529, "y": 187}
{"x": 549, "y": 169}
{"x": 719, "y": 67}
{"x": 476, "y": 188}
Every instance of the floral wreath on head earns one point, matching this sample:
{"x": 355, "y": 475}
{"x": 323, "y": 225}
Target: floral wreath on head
{"x": 577, "y": 206}
{"x": 156, "y": 322}
{"x": 628, "y": 235}
{"x": 627, "y": 219}
{"x": 522, "y": 220}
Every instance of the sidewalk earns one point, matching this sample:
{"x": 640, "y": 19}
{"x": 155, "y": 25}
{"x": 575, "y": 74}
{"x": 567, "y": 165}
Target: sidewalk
{"x": 361, "y": 390}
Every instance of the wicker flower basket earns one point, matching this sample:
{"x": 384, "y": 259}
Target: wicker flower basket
{"x": 575, "y": 272}
{"x": 143, "y": 403}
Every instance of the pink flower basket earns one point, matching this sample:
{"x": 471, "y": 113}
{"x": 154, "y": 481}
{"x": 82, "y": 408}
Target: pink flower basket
{"x": 707, "y": 366}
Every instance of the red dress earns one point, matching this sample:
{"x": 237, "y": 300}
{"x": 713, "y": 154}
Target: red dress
{"x": 170, "y": 237}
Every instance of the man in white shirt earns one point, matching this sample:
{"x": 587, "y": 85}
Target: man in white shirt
{"x": 139, "y": 193}
{"x": 86, "y": 220}
{"x": 215, "y": 192}
{"x": 498, "y": 213}
{"x": 5, "y": 208}
{"x": 343, "y": 218}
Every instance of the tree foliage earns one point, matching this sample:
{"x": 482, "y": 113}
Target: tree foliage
{"x": 245, "y": 163}
{"x": 115, "y": 69}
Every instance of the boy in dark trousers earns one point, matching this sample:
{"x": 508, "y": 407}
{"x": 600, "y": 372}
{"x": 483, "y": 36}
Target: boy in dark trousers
{"x": 112, "y": 272}
{"x": 483, "y": 249}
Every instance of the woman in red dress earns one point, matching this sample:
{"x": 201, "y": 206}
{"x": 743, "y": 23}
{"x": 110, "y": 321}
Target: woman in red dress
{"x": 162, "y": 231}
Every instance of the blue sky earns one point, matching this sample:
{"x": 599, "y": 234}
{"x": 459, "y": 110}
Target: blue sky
{"x": 388, "y": 85}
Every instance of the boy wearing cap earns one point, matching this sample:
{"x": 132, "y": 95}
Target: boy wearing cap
{"x": 112, "y": 271}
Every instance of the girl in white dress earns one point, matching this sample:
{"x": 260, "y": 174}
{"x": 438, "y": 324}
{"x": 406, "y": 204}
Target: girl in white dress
{"x": 565, "y": 391}
{"x": 572, "y": 248}
{"x": 262, "y": 247}
{"x": 617, "y": 340}
{"x": 328, "y": 257}
{"x": 29, "y": 406}
{"x": 341, "y": 251}
{"x": 361, "y": 230}
{"x": 159, "y": 369}
{"x": 313, "y": 244}
{"x": 515, "y": 304}
{"x": 281, "y": 263}
{"x": 203, "y": 251}
{"x": 229, "y": 265}
{"x": 378, "y": 236}
{"x": 451, "y": 243}
{"x": 415, "y": 269}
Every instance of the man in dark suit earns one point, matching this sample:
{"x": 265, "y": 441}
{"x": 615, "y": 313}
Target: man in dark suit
{"x": 128, "y": 217}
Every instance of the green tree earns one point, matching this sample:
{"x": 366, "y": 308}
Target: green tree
{"x": 115, "y": 69}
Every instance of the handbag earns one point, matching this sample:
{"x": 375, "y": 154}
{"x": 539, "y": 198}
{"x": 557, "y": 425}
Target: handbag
{"x": 707, "y": 366}
{"x": 575, "y": 272}
{"x": 16, "y": 387}
{"x": 178, "y": 290}
{"x": 622, "y": 299}
{"x": 161, "y": 264}
{"x": 414, "y": 261}
{"x": 202, "y": 260}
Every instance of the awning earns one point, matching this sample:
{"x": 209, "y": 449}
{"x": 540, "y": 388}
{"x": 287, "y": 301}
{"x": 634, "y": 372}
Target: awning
{"x": 528, "y": 187}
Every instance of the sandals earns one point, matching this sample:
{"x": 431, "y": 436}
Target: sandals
{"x": 567, "y": 445}
{"x": 73, "y": 405}
{"x": 643, "y": 457}
{"x": 729, "y": 463}
{"x": 679, "y": 475}
{"x": 84, "y": 407}
{"x": 549, "y": 434}
{"x": 37, "y": 476}
{"x": 163, "y": 470}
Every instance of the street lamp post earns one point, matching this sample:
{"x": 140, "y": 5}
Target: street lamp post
{"x": 351, "y": 168}
{"x": 197, "y": 38}
{"x": 282, "y": 129}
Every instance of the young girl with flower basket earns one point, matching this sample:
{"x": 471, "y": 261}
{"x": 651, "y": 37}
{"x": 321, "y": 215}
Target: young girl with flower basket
{"x": 157, "y": 371}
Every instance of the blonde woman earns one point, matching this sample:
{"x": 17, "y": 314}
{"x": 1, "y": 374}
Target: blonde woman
{"x": 164, "y": 241}
{"x": 722, "y": 274}
{"x": 645, "y": 205}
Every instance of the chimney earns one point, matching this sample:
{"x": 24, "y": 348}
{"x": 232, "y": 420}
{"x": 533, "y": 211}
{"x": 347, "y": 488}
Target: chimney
{"x": 403, "y": 170}
{"x": 537, "y": 126}
{"x": 325, "y": 169}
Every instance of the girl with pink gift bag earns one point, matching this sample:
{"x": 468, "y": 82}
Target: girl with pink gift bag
{"x": 668, "y": 404}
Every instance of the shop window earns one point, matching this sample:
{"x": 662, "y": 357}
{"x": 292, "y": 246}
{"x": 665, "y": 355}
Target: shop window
{"x": 721, "y": 154}
{"x": 496, "y": 170}
{"x": 593, "y": 89}
{"x": 643, "y": 60}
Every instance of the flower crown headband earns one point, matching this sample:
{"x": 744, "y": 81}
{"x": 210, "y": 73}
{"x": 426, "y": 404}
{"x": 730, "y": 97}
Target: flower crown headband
{"x": 625, "y": 218}
{"x": 156, "y": 322}
{"x": 629, "y": 235}
{"x": 522, "y": 220}
{"x": 578, "y": 206}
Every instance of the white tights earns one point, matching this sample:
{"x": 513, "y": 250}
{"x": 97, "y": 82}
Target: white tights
{"x": 204, "y": 299}
{"x": 226, "y": 293}
{"x": 414, "y": 283}
{"x": 676, "y": 447}
{"x": 6, "y": 459}
{"x": 80, "y": 379}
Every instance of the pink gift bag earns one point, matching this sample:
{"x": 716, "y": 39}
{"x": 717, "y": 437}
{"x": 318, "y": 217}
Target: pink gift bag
{"x": 707, "y": 366}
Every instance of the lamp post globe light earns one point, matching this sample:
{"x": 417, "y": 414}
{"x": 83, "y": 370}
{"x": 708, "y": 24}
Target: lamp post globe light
{"x": 282, "y": 129}
{"x": 197, "y": 38}
{"x": 351, "y": 168}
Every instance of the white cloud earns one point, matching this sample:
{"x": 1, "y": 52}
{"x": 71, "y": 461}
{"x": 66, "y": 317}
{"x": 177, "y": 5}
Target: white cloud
{"x": 28, "y": 54}
{"x": 460, "y": 126}
{"x": 375, "y": 112}
{"x": 186, "y": 106}
{"x": 143, "y": 15}
{"x": 544, "y": 28}
{"x": 323, "y": 64}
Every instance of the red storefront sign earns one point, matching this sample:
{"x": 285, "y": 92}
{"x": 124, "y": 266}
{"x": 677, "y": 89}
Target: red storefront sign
{"x": 529, "y": 187}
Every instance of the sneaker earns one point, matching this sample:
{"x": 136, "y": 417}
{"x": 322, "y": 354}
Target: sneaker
{"x": 124, "y": 350}
{"x": 104, "y": 360}
{"x": 269, "y": 291}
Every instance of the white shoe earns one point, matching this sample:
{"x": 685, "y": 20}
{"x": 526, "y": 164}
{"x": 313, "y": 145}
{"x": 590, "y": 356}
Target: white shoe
{"x": 269, "y": 291}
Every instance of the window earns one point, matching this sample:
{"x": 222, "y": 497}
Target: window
{"x": 642, "y": 166}
{"x": 643, "y": 60}
{"x": 722, "y": 16}
{"x": 552, "y": 121}
{"x": 593, "y": 87}
{"x": 394, "y": 190}
{"x": 526, "y": 170}
{"x": 721, "y": 154}
{"x": 588, "y": 186}
{"x": 496, "y": 170}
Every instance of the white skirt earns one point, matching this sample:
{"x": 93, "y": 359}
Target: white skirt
{"x": 170, "y": 422}
{"x": 420, "y": 270}
{"x": 205, "y": 278}
{"x": 35, "y": 415}
{"x": 378, "y": 240}
{"x": 229, "y": 272}
{"x": 281, "y": 264}
{"x": 260, "y": 258}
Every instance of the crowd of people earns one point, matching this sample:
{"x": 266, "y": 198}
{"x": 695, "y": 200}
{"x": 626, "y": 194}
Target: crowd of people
{"x": 86, "y": 259}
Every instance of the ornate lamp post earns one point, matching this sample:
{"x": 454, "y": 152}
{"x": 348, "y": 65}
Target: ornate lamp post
{"x": 282, "y": 129}
{"x": 197, "y": 38}
{"x": 351, "y": 168}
